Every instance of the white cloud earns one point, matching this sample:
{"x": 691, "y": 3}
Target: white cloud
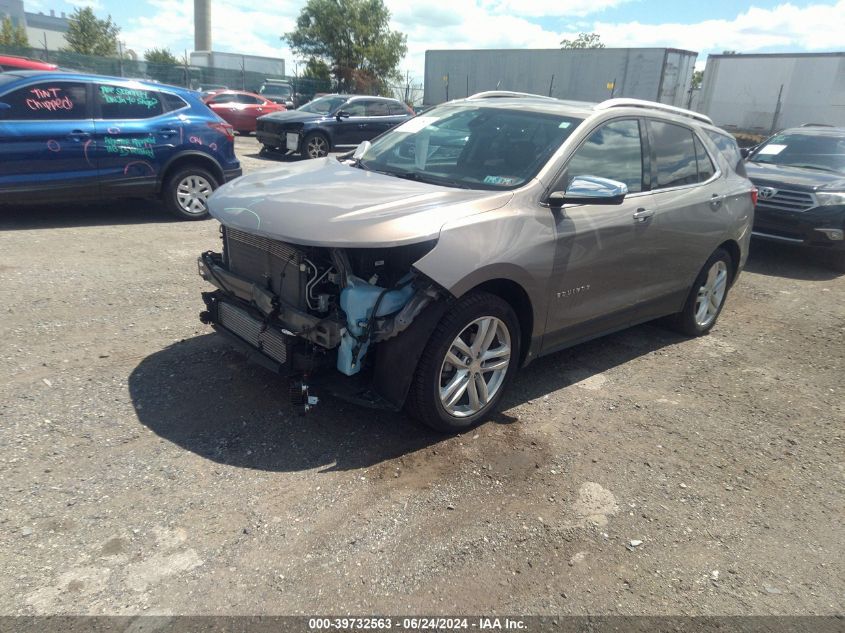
{"x": 814, "y": 27}
{"x": 252, "y": 28}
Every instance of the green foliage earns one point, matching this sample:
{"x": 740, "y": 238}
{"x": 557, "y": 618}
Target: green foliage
{"x": 697, "y": 78}
{"x": 161, "y": 56}
{"x": 354, "y": 40}
{"x": 11, "y": 35}
{"x": 584, "y": 40}
{"x": 317, "y": 69}
{"x": 163, "y": 66}
{"x": 89, "y": 35}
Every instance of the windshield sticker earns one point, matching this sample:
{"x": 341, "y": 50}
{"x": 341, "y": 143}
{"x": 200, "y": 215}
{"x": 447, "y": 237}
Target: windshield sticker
{"x": 564, "y": 125}
{"x": 772, "y": 149}
{"x": 500, "y": 180}
{"x": 416, "y": 124}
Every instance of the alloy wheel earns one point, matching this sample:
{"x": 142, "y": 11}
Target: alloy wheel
{"x": 711, "y": 294}
{"x": 475, "y": 366}
{"x": 192, "y": 194}
{"x": 317, "y": 147}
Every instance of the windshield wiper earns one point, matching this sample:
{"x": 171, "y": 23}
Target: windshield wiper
{"x": 818, "y": 167}
{"x": 432, "y": 180}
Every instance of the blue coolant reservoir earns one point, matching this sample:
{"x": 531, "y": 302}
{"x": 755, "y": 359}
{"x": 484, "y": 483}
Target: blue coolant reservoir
{"x": 357, "y": 300}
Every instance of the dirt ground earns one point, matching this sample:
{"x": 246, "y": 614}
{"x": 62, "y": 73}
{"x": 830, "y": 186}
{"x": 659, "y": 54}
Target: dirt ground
{"x": 145, "y": 467}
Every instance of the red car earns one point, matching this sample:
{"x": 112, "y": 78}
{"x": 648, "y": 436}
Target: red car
{"x": 240, "y": 109}
{"x": 13, "y": 62}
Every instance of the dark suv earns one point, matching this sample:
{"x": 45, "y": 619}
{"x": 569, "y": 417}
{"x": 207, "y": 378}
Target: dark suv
{"x": 67, "y": 136}
{"x": 330, "y": 122}
{"x": 800, "y": 175}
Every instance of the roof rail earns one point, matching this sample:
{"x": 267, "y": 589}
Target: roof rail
{"x": 499, "y": 94}
{"x": 652, "y": 105}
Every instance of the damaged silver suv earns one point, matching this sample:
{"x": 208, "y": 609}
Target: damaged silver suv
{"x": 474, "y": 238}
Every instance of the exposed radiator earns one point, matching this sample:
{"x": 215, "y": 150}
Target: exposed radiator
{"x": 269, "y": 263}
{"x": 243, "y": 325}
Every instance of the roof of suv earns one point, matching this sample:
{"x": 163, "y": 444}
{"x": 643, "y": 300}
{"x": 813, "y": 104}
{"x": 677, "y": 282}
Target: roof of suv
{"x": 550, "y": 105}
{"x": 59, "y": 75}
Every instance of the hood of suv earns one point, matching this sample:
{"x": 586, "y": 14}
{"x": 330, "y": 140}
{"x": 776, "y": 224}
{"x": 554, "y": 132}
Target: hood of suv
{"x": 799, "y": 177}
{"x": 291, "y": 116}
{"x": 323, "y": 202}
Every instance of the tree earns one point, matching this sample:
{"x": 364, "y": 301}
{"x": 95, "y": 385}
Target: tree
{"x": 162, "y": 65}
{"x": 11, "y": 35}
{"x": 317, "y": 69}
{"x": 697, "y": 78}
{"x": 584, "y": 40}
{"x": 353, "y": 38}
{"x": 161, "y": 56}
{"x": 89, "y": 35}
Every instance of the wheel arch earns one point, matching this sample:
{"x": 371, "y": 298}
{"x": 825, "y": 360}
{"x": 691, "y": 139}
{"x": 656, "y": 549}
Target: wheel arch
{"x": 190, "y": 158}
{"x": 517, "y": 298}
{"x": 319, "y": 131}
{"x": 733, "y": 250}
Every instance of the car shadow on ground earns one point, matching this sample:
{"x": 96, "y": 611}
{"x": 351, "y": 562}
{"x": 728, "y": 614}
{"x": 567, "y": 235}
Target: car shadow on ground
{"x": 783, "y": 260}
{"x": 66, "y": 215}
{"x": 282, "y": 156}
{"x": 205, "y": 397}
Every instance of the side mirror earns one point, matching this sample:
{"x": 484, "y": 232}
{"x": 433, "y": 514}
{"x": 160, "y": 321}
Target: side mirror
{"x": 5, "y": 110}
{"x": 343, "y": 114}
{"x": 590, "y": 190}
{"x": 745, "y": 152}
{"x": 362, "y": 149}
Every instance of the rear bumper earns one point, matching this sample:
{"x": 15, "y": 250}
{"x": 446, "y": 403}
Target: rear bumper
{"x": 231, "y": 174}
{"x": 815, "y": 228}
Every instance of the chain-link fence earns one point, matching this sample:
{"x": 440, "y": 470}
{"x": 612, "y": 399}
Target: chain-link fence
{"x": 186, "y": 75}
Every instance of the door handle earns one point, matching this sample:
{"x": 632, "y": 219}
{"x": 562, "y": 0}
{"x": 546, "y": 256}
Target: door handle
{"x": 78, "y": 135}
{"x": 641, "y": 215}
{"x": 716, "y": 201}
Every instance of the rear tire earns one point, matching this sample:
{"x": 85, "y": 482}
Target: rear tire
{"x": 467, "y": 364}
{"x": 186, "y": 192}
{"x": 244, "y": 132}
{"x": 706, "y": 297}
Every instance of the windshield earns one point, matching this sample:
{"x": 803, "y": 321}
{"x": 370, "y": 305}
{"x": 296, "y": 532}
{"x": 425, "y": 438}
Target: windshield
{"x": 275, "y": 89}
{"x": 470, "y": 146}
{"x": 812, "y": 151}
{"x": 323, "y": 105}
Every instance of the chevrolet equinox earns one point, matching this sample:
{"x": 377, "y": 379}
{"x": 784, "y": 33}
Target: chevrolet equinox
{"x": 472, "y": 239}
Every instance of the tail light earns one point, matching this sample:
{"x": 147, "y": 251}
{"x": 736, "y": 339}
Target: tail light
{"x": 754, "y": 196}
{"x": 224, "y": 128}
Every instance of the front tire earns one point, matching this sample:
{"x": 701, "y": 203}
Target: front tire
{"x": 707, "y": 296}
{"x": 467, "y": 364}
{"x": 315, "y": 145}
{"x": 186, "y": 192}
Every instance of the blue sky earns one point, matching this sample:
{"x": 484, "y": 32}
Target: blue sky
{"x": 245, "y": 26}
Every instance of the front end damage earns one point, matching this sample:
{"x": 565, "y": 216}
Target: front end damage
{"x": 301, "y": 309}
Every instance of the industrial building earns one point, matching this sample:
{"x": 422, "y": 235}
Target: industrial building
{"x": 762, "y": 93}
{"x": 42, "y": 30}
{"x": 588, "y": 74}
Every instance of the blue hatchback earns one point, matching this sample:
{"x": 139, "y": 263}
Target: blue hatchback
{"x": 67, "y": 136}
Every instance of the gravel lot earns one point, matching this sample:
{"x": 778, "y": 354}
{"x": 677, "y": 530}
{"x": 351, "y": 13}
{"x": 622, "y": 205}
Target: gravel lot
{"x": 147, "y": 468}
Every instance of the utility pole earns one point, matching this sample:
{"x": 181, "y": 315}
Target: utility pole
{"x": 243, "y": 72}
{"x": 551, "y": 85}
{"x": 120, "y": 58}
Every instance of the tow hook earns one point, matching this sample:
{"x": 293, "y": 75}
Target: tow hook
{"x": 300, "y": 396}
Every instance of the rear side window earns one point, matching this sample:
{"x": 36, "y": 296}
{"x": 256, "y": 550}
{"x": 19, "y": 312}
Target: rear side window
{"x": 120, "y": 102}
{"x": 613, "y": 151}
{"x": 170, "y": 102}
{"x": 378, "y": 108}
{"x": 249, "y": 99}
{"x": 730, "y": 150}
{"x": 706, "y": 170}
{"x": 49, "y": 101}
{"x": 674, "y": 152}
{"x": 397, "y": 109}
